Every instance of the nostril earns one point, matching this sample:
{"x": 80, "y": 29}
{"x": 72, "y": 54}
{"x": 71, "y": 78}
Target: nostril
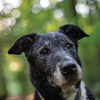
{"x": 74, "y": 68}
{"x": 64, "y": 69}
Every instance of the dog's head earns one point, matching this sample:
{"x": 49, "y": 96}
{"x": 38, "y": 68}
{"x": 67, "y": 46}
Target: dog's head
{"x": 52, "y": 56}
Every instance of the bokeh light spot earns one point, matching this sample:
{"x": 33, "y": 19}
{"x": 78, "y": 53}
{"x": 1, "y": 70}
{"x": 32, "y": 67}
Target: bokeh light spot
{"x": 16, "y": 13}
{"x": 44, "y": 3}
{"x": 7, "y": 30}
{"x": 23, "y": 23}
{"x": 58, "y": 13}
{"x": 82, "y": 9}
{"x": 13, "y": 21}
{"x": 13, "y": 66}
{"x": 7, "y": 21}
{"x": 59, "y": 0}
{"x": 1, "y": 6}
{"x": 7, "y": 9}
{"x": 14, "y": 3}
{"x": 35, "y": 10}
{"x": 53, "y": 1}
{"x": 95, "y": 13}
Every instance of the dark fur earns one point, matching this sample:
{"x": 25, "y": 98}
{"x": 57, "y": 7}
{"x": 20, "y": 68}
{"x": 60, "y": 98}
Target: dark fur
{"x": 42, "y": 66}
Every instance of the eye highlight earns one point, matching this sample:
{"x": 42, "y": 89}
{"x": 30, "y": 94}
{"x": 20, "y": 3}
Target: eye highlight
{"x": 44, "y": 51}
{"x": 69, "y": 46}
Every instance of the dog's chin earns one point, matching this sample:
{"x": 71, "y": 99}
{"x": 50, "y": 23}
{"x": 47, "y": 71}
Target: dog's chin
{"x": 72, "y": 82}
{"x": 69, "y": 82}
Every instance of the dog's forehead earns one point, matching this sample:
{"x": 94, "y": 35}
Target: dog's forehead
{"x": 51, "y": 34}
{"x": 54, "y": 36}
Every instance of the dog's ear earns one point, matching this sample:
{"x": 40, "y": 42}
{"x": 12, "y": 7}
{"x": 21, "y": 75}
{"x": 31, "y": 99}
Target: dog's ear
{"x": 22, "y": 44}
{"x": 73, "y": 32}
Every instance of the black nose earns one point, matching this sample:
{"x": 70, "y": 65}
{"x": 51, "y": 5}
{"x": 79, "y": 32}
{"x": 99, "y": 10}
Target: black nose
{"x": 68, "y": 67}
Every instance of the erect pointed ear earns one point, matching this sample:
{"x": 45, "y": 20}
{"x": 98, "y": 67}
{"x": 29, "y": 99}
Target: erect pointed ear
{"x": 73, "y": 32}
{"x": 22, "y": 44}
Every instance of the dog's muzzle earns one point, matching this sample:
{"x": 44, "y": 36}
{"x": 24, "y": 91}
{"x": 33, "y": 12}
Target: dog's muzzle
{"x": 68, "y": 72}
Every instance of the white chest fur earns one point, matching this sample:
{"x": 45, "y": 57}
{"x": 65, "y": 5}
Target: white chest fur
{"x": 69, "y": 93}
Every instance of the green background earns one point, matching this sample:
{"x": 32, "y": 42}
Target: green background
{"x": 19, "y": 17}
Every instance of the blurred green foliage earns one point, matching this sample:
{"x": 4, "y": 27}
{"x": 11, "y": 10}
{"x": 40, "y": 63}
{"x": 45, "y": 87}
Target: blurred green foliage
{"x": 19, "y": 17}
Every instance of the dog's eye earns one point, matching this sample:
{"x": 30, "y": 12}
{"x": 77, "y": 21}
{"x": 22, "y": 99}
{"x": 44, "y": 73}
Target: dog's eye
{"x": 69, "y": 46}
{"x": 44, "y": 51}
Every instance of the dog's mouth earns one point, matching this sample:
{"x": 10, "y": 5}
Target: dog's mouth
{"x": 67, "y": 80}
{"x": 71, "y": 80}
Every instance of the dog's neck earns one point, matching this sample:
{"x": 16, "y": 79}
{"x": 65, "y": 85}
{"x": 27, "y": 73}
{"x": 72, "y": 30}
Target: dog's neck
{"x": 66, "y": 93}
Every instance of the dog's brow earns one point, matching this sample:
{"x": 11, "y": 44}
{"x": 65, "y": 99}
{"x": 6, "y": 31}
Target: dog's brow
{"x": 62, "y": 39}
{"x": 47, "y": 43}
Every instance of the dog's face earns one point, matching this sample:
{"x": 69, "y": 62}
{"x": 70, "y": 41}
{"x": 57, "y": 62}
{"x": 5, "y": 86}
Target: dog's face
{"x": 53, "y": 56}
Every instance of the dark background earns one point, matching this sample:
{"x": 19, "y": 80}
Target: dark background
{"x": 19, "y": 17}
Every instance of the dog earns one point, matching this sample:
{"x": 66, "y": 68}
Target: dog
{"x": 54, "y": 65}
